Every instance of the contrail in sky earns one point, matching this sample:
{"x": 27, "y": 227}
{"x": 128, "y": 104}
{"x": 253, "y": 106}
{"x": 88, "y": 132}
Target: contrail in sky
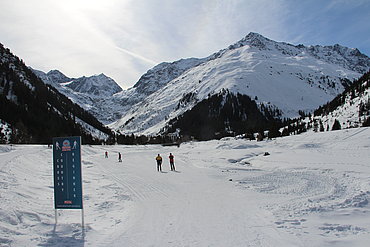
{"x": 137, "y": 56}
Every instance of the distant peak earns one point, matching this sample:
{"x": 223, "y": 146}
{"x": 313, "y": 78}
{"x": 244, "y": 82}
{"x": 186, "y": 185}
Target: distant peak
{"x": 55, "y": 71}
{"x": 101, "y": 75}
{"x": 253, "y": 35}
{"x": 57, "y": 76}
{"x": 252, "y": 39}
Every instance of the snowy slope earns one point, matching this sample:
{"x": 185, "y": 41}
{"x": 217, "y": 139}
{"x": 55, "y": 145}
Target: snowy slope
{"x": 312, "y": 190}
{"x": 348, "y": 114}
{"x": 152, "y": 81}
{"x": 350, "y": 109}
{"x": 283, "y": 76}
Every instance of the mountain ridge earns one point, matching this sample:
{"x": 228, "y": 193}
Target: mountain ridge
{"x": 96, "y": 85}
{"x": 280, "y": 76}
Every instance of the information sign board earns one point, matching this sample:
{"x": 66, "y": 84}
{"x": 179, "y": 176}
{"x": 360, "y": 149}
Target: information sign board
{"x": 67, "y": 172}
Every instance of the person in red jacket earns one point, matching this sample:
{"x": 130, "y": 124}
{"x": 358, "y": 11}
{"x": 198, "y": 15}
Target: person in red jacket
{"x": 172, "y": 162}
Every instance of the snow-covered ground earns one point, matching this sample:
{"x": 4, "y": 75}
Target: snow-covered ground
{"x": 312, "y": 190}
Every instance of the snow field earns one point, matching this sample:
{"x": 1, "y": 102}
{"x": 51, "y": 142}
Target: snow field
{"x": 312, "y": 190}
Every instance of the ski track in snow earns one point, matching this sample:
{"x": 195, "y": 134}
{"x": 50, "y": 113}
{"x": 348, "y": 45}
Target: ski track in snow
{"x": 312, "y": 190}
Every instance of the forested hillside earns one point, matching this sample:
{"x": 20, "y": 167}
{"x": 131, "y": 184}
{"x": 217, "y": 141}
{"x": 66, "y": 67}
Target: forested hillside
{"x": 37, "y": 112}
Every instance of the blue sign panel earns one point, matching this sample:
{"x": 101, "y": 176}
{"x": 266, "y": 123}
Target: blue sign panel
{"x": 67, "y": 172}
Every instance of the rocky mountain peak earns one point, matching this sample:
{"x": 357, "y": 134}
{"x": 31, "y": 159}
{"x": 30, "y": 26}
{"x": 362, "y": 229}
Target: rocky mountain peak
{"x": 96, "y": 85}
{"x": 253, "y": 39}
{"x": 57, "y": 76}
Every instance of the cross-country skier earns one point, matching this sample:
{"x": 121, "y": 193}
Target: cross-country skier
{"x": 119, "y": 157}
{"x": 159, "y": 162}
{"x": 172, "y": 162}
{"x": 106, "y": 154}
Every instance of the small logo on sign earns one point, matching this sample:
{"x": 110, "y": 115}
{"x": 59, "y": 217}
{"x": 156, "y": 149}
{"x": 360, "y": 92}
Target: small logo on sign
{"x": 67, "y": 202}
{"x": 66, "y": 146}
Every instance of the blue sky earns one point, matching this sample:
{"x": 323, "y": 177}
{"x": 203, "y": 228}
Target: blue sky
{"x": 125, "y": 38}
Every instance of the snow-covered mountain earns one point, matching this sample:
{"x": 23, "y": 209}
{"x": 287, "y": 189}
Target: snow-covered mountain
{"x": 93, "y": 93}
{"x": 279, "y": 76}
{"x": 97, "y": 86}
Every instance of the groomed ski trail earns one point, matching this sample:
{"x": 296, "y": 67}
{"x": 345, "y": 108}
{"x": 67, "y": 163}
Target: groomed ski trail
{"x": 193, "y": 206}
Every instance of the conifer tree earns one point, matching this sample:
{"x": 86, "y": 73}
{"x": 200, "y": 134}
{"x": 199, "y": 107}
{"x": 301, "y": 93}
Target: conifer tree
{"x": 336, "y": 125}
{"x": 321, "y": 127}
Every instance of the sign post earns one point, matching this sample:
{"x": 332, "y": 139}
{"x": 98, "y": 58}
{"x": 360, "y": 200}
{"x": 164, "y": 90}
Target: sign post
{"x": 67, "y": 174}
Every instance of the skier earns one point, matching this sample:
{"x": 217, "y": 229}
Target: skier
{"x": 172, "y": 163}
{"x": 119, "y": 157}
{"x": 106, "y": 154}
{"x": 159, "y": 162}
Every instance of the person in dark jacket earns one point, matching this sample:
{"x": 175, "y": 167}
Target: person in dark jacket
{"x": 172, "y": 162}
